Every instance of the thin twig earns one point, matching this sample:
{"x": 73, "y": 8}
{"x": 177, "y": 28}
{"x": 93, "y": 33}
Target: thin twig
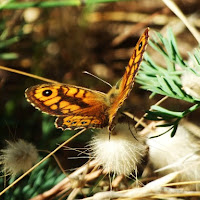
{"x": 57, "y": 160}
{"x": 27, "y": 74}
{"x": 158, "y": 103}
{"x": 65, "y": 184}
{"x": 36, "y": 165}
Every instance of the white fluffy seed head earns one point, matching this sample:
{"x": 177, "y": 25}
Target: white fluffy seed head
{"x": 191, "y": 84}
{"x": 122, "y": 153}
{"x": 18, "y": 157}
{"x": 179, "y": 153}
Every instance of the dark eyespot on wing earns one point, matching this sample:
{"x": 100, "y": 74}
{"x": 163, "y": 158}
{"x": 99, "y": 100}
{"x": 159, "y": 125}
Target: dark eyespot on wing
{"x": 75, "y": 107}
{"x": 140, "y": 46}
{"x": 47, "y": 93}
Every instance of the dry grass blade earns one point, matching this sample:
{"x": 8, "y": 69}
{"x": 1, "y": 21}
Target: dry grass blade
{"x": 182, "y": 17}
{"x": 27, "y": 74}
{"x": 36, "y": 165}
{"x": 67, "y": 183}
{"x": 116, "y": 181}
{"x": 152, "y": 188}
{"x": 146, "y": 20}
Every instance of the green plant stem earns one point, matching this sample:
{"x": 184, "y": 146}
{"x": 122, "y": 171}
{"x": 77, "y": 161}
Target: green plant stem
{"x": 49, "y": 4}
{"x": 191, "y": 109}
{"x": 176, "y": 114}
{"x": 168, "y": 112}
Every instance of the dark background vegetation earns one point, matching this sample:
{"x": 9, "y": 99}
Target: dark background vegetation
{"x": 64, "y": 41}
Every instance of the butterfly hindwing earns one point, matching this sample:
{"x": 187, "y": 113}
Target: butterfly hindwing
{"x": 77, "y": 122}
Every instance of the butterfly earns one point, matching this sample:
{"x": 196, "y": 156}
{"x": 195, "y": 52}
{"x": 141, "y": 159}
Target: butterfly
{"x": 78, "y": 107}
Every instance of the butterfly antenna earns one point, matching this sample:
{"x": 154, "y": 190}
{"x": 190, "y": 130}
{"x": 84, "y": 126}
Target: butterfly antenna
{"x": 88, "y": 73}
{"x": 129, "y": 126}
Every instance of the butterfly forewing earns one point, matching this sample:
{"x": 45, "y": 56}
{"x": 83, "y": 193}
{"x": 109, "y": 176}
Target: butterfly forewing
{"x": 133, "y": 65}
{"x": 127, "y": 81}
{"x": 74, "y": 106}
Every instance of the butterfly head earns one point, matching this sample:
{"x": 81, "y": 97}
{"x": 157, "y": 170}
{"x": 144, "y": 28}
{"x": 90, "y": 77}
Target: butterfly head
{"x": 113, "y": 93}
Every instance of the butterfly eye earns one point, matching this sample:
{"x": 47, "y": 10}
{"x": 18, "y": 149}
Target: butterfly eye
{"x": 68, "y": 121}
{"x": 47, "y": 93}
{"x": 140, "y": 46}
{"x": 73, "y": 123}
{"x": 83, "y": 122}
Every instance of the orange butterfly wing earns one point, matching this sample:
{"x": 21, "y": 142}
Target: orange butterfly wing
{"x": 127, "y": 82}
{"x": 78, "y": 107}
{"x": 75, "y": 107}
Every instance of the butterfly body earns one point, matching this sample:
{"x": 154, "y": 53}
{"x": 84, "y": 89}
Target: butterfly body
{"x": 78, "y": 107}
